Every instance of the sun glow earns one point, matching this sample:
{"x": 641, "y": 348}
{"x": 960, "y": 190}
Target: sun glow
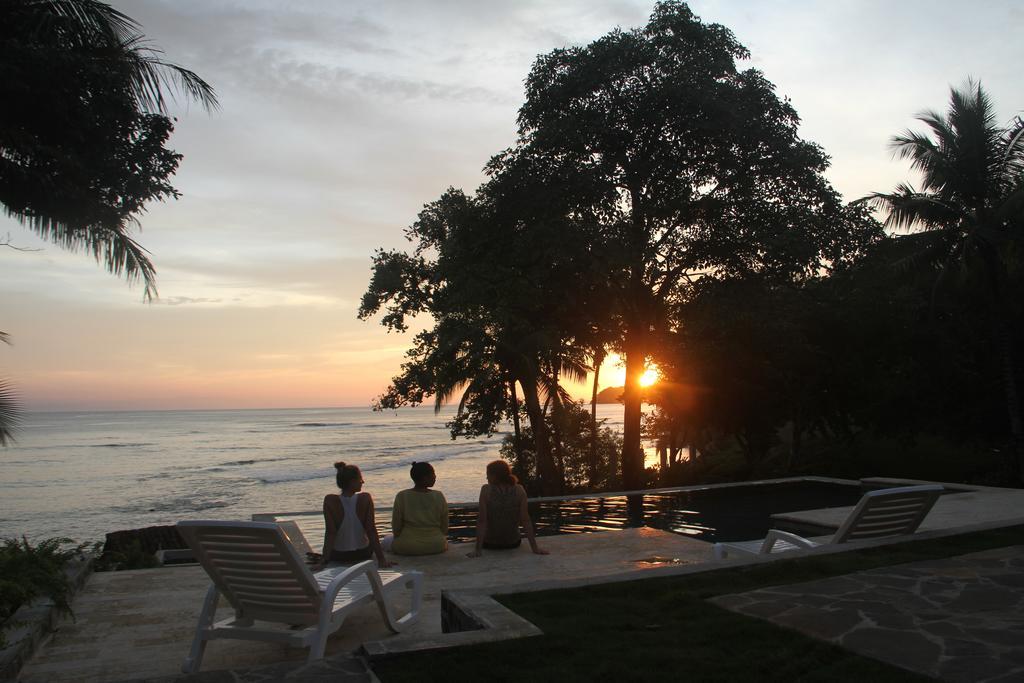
{"x": 649, "y": 377}
{"x": 613, "y": 373}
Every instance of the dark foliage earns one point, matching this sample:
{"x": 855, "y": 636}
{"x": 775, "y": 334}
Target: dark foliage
{"x": 31, "y": 571}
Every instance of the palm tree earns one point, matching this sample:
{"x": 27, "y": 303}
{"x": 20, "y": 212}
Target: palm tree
{"x": 81, "y": 89}
{"x": 969, "y": 213}
{"x": 82, "y": 132}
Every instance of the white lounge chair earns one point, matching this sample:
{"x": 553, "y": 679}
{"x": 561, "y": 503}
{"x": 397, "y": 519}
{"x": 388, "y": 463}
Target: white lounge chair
{"x": 879, "y": 514}
{"x": 255, "y": 567}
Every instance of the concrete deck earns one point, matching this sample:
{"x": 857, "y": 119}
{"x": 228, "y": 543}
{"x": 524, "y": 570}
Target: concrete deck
{"x": 139, "y": 624}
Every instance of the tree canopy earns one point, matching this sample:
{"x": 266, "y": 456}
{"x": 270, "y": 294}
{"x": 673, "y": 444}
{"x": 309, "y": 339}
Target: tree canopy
{"x": 968, "y": 217}
{"x": 84, "y": 127}
{"x": 691, "y": 167}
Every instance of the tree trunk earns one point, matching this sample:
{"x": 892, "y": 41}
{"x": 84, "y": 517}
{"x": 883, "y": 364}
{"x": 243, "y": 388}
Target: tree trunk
{"x": 632, "y": 451}
{"x": 592, "y": 470}
{"x": 549, "y": 486}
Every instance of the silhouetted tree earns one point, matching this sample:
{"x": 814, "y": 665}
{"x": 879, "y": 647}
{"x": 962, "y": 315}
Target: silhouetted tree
{"x": 492, "y": 276}
{"x": 83, "y": 127}
{"x": 688, "y": 165}
{"x": 969, "y": 214}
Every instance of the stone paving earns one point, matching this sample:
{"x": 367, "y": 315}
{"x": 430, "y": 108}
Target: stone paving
{"x": 958, "y": 619}
{"x": 138, "y": 625}
{"x": 337, "y": 669}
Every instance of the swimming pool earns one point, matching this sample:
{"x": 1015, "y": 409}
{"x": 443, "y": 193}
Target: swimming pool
{"x": 734, "y": 512}
{"x": 722, "y": 512}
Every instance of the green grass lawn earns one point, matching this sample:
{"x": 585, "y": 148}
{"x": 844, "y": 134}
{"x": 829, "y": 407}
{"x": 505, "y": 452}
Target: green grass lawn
{"x": 664, "y": 629}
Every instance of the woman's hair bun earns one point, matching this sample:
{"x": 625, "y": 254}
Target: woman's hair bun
{"x": 340, "y": 465}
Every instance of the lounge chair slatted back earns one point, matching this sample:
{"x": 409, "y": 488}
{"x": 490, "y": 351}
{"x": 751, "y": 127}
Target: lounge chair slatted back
{"x": 888, "y": 512}
{"x": 256, "y": 566}
{"x": 259, "y": 573}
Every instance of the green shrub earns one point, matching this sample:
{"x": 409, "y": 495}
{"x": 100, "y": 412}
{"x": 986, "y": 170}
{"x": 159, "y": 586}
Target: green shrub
{"x": 28, "y": 572}
{"x": 570, "y": 429}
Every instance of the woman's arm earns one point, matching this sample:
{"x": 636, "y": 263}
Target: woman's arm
{"x": 444, "y": 514}
{"x": 481, "y": 523}
{"x": 332, "y": 519}
{"x": 370, "y": 526}
{"x": 526, "y": 522}
{"x": 398, "y": 515}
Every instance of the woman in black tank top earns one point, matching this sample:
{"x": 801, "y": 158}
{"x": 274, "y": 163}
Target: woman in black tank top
{"x": 501, "y": 513}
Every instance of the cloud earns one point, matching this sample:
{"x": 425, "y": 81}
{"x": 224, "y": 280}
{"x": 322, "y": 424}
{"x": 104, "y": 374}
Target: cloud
{"x": 185, "y": 300}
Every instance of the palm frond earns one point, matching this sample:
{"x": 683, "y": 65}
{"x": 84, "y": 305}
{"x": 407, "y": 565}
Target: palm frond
{"x": 1011, "y": 169}
{"x": 150, "y": 76}
{"x": 10, "y": 413}
{"x": 113, "y": 247}
{"x": 575, "y": 369}
{"x": 909, "y": 208}
{"x": 82, "y": 19}
{"x": 101, "y": 32}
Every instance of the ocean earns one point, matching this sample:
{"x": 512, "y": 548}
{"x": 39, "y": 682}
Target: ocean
{"x": 84, "y": 474}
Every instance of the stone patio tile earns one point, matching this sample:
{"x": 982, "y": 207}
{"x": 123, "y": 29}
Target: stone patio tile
{"x": 998, "y": 636}
{"x": 971, "y": 669}
{"x": 909, "y": 649}
{"x": 822, "y": 624}
{"x": 984, "y": 598}
{"x": 949, "y": 619}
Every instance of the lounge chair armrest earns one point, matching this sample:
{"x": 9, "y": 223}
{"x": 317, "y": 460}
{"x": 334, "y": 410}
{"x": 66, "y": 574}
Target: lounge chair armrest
{"x": 356, "y": 570}
{"x": 774, "y": 536}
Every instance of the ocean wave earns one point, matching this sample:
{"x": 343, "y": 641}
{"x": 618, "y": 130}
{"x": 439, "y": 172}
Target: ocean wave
{"x": 323, "y": 424}
{"x": 176, "y": 505}
{"x": 119, "y": 445}
{"x": 417, "y": 454}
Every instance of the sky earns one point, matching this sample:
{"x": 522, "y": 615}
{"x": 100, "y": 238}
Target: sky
{"x": 340, "y": 120}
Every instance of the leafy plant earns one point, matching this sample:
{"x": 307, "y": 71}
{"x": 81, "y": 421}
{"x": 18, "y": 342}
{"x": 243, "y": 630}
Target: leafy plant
{"x": 28, "y": 572}
{"x": 571, "y": 430}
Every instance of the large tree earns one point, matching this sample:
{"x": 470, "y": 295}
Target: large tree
{"x": 968, "y": 215}
{"x": 688, "y": 165}
{"x": 84, "y": 125}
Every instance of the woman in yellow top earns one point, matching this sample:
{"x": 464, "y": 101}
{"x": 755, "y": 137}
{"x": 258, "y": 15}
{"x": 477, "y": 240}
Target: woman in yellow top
{"x": 420, "y": 518}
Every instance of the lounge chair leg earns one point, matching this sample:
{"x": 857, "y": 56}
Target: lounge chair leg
{"x": 195, "y": 655}
{"x": 415, "y": 583}
{"x": 317, "y": 647}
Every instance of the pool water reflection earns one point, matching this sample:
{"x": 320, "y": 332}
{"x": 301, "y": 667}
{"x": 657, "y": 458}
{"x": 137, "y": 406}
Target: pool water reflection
{"x": 729, "y": 513}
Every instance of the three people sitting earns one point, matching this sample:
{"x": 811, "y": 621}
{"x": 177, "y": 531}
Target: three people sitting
{"x": 420, "y": 517}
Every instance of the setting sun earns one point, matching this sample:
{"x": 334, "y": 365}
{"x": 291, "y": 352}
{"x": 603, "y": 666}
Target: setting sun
{"x": 613, "y": 373}
{"x": 649, "y": 377}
